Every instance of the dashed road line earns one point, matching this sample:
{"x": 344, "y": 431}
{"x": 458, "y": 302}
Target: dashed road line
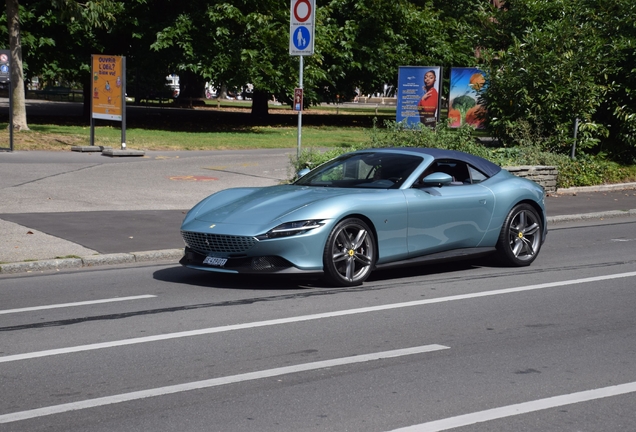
{"x": 75, "y": 304}
{"x": 215, "y": 382}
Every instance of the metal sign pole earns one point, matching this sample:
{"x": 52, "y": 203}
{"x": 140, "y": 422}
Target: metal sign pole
{"x": 300, "y": 111}
{"x": 5, "y": 77}
{"x": 123, "y": 104}
{"x": 10, "y": 116}
{"x": 301, "y": 43}
{"x": 93, "y": 72}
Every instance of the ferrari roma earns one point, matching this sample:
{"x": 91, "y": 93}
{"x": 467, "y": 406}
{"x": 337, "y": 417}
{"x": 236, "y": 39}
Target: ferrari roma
{"x": 367, "y": 210}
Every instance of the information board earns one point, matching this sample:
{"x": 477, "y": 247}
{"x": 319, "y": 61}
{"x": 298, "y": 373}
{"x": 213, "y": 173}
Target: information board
{"x": 108, "y": 87}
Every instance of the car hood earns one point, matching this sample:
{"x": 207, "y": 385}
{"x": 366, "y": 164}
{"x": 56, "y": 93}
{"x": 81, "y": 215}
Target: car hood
{"x": 255, "y": 206}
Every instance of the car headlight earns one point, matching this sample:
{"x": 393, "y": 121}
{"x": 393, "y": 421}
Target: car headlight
{"x": 290, "y": 229}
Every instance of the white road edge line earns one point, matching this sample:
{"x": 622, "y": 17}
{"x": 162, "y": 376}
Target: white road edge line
{"x": 206, "y": 331}
{"x": 214, "y": 382}
{"x": 83, "y": 303}
{"x": 521, "y": 408}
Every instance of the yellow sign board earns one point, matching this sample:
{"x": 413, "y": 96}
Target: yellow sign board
{"x": 108, "y": 82}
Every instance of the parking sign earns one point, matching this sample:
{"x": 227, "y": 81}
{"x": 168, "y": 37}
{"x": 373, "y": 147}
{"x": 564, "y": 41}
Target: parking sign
{"x": 301, "y": 27}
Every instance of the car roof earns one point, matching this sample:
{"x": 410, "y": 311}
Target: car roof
{"x": 483, "y": 165}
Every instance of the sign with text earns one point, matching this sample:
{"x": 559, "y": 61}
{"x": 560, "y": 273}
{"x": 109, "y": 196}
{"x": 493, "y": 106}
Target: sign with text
{"x": 418, "y": 96}
{"x": 301, "y": 27}
{"x": 107, "y": 83}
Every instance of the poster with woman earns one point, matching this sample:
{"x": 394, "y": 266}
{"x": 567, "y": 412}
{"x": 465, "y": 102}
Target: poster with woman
{"x": 464, "y": 106}
{"x": 418, "y": 97}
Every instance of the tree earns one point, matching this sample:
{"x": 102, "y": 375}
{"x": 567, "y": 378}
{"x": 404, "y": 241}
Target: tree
{"x": 358, "y": 44}
{"x": 232, "y": 44}
{"x": 15, "y": 64}
{"x": 551, "y": 63}
{"x": 58, "y": 37}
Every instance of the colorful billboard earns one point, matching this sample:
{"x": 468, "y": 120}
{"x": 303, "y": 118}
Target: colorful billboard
{"x": 418, "y": 95}
{"x": 108, "y": 87}
{"x": 463, "y": 102}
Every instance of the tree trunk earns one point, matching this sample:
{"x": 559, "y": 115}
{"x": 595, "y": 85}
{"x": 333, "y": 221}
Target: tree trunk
{"x": 191, "y": 89}
{"x": 17, "y": 76}
{"x": 260, "y": 104}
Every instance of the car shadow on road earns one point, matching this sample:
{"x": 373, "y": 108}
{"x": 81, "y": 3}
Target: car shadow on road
{"x": 188, "y": 276}
{"x": 400, "y": 273}
{"x": 183, "y": 275}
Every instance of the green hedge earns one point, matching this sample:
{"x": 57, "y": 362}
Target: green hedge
{"x": 585, "y": 170}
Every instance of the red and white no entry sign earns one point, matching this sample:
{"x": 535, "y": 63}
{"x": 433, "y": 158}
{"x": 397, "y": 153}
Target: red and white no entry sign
{"x": 302, "y": 10}
{"x": 301, "y": 27}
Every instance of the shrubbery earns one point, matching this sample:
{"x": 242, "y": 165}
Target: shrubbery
{"x": 585, "y": 170}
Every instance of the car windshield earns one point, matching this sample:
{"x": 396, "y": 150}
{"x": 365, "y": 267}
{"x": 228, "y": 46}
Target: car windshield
{"x": 378, "y": 170}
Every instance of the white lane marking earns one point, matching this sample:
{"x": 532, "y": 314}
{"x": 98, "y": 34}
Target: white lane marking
{"x": 301, "y": 318}
{"x": 521, "y": 408}
{"x": 83, "y": 303}
{"x": 214, "y": 382}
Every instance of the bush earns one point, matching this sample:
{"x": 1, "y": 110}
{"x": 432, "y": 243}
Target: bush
{"x": 589, "y": 170}
{"x": 586, "y": 170}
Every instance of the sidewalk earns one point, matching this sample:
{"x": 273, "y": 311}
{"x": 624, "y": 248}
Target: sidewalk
{"x": 69, "y": 210}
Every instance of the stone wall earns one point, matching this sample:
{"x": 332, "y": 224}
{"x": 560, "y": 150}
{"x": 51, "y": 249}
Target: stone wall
{"x": 546, "y": 176}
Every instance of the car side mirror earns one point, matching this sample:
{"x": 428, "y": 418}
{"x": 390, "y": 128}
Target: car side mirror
{"x": 437, "y": 179}
{"x": 303, "y": 172}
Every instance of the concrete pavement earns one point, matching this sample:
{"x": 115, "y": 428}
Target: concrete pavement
{"x": 69, "y": 209}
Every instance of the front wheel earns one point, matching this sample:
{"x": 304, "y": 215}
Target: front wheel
{"x": 520, "y": 238}
{"x": 349, "y": 254}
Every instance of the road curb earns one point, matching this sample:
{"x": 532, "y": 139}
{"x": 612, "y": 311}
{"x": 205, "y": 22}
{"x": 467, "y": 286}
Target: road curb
{"x": 596, "y": 215}
{"x": 599, "y": 188}
{"x": 91, "y": 261}
{"x": 176, "y": 254}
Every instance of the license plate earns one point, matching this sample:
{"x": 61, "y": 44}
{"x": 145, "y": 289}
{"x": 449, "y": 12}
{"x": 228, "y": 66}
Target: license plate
{"x": 215, "y": 261}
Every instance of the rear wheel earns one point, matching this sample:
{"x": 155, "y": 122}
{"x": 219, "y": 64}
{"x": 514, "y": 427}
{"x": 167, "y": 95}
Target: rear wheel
{"x": 520, "y": 238}
{"x": 350, "y": 253}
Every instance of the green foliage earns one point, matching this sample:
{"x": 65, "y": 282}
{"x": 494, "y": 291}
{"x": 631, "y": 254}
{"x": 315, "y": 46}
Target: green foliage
{"x": 89, "y": 14}
{"x": 549, "y": 63}
{"x": 591, "y": 170}
{"x": 402, "y": 135}
{"x": 585, "y": 170}
{"x": 363, "y": 42}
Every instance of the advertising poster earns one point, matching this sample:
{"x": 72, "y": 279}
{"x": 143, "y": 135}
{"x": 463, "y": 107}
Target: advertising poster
{"x": 108, "y": 87}
{"x": 463, "y": 100}
{"x": 418, "y": 95}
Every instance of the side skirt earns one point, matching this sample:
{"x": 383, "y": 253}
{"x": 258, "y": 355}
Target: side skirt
{"x": 452, "y": 255}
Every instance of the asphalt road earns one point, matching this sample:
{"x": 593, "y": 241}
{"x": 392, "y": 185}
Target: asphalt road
{"x": 550, "y": 347}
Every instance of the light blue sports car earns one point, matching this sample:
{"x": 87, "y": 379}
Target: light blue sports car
{"x": 368, "y": 210}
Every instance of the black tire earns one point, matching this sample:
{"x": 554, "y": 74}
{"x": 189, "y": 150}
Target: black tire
{"x": 350, "y": 253}
{"x": 520, "y": 238}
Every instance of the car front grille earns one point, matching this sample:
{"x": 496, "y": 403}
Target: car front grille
{"x": 207, "y": 243}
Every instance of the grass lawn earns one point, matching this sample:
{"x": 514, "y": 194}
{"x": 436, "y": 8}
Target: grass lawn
{"x": 209, "y": 128}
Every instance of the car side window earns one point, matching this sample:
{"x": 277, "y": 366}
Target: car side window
{"x": 476, "y": 176}
{"x": 458, "y": 170}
